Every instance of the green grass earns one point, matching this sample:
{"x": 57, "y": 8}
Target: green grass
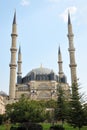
{"x": 4, "y": 127}
{"x": 68, "y": 127}
{"x": 46, "y": 126}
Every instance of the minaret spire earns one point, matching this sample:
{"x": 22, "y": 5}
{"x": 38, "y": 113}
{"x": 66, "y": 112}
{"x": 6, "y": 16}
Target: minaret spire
{"x": 14, "y": 19}
{"x": 19, "y": 73}
{"x": 71, "y": 51}
{"x": 13, "y": 65}
{"x": 60, "y": 63}
{"x": 19, "y": 52}
{"x": 69, "y": 20}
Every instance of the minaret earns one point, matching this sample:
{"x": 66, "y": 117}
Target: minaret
{"x": 13, "y": 60}
{"x": 71, "y": 52}
{"x": 19, "y": 73}
{"x": 61, "y": 74}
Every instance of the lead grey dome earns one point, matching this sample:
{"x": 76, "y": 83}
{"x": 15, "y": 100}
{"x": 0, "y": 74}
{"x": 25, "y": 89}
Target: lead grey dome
{"x": 40, "y": 74}
{"x": 40, "y": 71}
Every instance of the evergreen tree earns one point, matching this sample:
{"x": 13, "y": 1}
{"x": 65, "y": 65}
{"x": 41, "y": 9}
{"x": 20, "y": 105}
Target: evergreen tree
{"x": 85, "y": 113}
{"x": 60, "y": 109}
{"x": 75, "y": 112}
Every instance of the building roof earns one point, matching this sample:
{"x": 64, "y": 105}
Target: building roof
{"x": 40, "y": 70}
{"x": 3, "y": 93}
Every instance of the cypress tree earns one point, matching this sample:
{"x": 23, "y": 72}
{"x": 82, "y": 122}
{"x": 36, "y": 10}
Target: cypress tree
{"x": 75, "y": 112}
{"x": 60, "y": 109}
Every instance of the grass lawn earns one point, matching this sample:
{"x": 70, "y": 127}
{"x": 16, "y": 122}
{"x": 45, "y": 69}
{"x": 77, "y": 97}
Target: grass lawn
{"x": 68, "y": 127}
{"x": 46, "y": 126}
{"x": 4, "y": 127}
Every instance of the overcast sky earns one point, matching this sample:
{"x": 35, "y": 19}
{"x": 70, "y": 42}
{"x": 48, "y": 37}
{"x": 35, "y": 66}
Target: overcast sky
{"x": 42, "y": 27}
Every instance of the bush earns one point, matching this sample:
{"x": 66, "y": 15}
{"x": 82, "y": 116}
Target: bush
{"x": 32, "y": 126}
{"x": 13, "y": 128}
{"x": 21, "y": 128}
{"x": 27, "y": 126}
{"x": 57, "y": 127}
{"x": 17, "y": 128}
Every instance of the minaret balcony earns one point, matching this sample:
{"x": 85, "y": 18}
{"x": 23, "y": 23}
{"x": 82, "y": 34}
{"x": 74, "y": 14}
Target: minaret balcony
{"x": 14, "y": 34}
{"x": 70, "y": 35}
{"x": 12, "y": 65}
{"x": 73, "y": 65}
{"x": 71, "y": 49}
{"x": 19, "y": 62}
{"x": 13, "y": 49}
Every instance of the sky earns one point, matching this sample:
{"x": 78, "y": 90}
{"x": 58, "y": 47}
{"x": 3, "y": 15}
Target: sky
{"x": 42, "y": 28}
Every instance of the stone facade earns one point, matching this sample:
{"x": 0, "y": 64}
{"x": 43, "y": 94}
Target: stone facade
{"x": 41, "y": 84}
{"x": 2, "y": 105}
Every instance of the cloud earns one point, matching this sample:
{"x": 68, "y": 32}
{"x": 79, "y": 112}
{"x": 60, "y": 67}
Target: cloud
{"x": 72, "y": 10}
{"x": 25, "y": 2}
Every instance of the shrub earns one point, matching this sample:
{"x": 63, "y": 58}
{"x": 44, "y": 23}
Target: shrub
{"x": 27, "y": 126}
{"x": 32, "y": 126}
{"x": 57, "y": 127}
{"x": 13, "y": 128}
{"x": 21, "y": 128}
{"x": 17, "y": 128}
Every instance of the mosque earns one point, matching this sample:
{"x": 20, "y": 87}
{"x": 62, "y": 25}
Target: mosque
{"x": 40, "y": 83}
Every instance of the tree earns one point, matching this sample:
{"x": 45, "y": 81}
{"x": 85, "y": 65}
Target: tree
{"x": 75, "y": 112}
{"x": 50, "y": 103}
{"x": 25, "y": 111}
{"x": 85, "y": 113}
{"x": 60, "y": 110}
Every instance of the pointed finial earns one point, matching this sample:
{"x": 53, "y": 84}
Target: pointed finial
{"x": 19, "y": 49}
{"x": 59, "y": 50}
{"x": 69, "y": 20}
{"x": 14, "y": 20}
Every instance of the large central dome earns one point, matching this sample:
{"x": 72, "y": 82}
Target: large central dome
{"x": 40, "y": 71}
{"x": 40, "y": 74}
